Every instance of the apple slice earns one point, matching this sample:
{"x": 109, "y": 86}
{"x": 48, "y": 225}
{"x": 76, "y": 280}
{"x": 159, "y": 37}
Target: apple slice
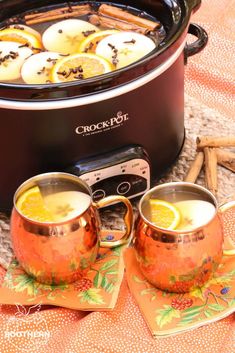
{"x": 65, "y": 36}
{"x": 195, "y": 213}
{"x": 37, "y": 68}
{"x": 124, "y": 48}
{"x": 12, "y": 57}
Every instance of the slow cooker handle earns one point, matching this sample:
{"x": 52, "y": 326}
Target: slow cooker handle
{"x": 194, "y": 5}
{"x": 199, "y": 44}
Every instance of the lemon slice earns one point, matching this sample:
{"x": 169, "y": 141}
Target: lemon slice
{"x": 20, "y": 36}
{"x": 124, "y": 48}
{"x": 79, "y": 66}
{"x": 28, "y": 30}
{"x": 65, "y": 36}
{"x": 37, "y": 68}
{"x": 89, "y": 44}
{"x": 32, "y": 206}
{"x": 164, "y": 214}
{"x": 11, "y": 60}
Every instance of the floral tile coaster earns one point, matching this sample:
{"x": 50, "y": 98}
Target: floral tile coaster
{"x": 171, "y": 313}
{"x": 98, "y": 291}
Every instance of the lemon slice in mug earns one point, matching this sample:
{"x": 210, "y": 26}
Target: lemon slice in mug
{"x": 164, "y": 214}
{"x": 32, "y": 206}
{"x": 78, "y": 67}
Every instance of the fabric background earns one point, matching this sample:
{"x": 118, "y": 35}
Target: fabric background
{"x": 210, "y": 75}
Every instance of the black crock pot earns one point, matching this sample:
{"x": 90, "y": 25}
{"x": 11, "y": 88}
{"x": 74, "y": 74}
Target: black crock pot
{"x": 51, "y": 127}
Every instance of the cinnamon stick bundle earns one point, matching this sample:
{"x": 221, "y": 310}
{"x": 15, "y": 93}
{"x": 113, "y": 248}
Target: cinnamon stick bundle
{"x": 63, "y": 12}
{"x": 119, "y": 14}
{"x": 211, "y": 169}
{"x": 195, "y": 168}
{"x": 212, "y": 141}
{"x": 226, "y": 159}
{"x": 109, "y": 22}
{"x": 211, "y": 155}
{"x": 108, "y": 16}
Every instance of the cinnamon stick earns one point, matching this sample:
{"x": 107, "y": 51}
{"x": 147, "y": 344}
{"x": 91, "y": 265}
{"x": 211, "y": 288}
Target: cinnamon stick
{"x": 212, "y": 141}
{"x": 33, "y": 16}
{"x": 117, "y": 13}
{"x": 59, "y": 10}
{"x": 226, "y": 159}
{"x": 109, "y": 22}
{"x": 51, "y": 15}
{"x": 195, "y": 168}
{"x": 211, "y": 169}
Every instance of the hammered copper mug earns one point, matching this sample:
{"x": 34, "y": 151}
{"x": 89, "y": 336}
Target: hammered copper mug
{"x": 176, "y": 260}
{"x": 62, "y": 252}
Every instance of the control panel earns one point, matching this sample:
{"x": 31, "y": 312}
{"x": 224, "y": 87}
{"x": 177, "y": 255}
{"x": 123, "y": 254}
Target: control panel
{"x": 123, "y": 172}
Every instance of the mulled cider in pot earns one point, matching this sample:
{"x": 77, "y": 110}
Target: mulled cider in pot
{"x": 71, "y": 43}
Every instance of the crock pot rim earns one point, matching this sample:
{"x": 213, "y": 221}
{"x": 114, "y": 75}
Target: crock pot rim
{"x": 164, "y": 45}
{"x": 93, "y": 97}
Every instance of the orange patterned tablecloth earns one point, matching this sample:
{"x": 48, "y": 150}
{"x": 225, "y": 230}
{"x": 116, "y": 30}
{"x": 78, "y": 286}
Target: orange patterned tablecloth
{"x": 210, "y": 75}
{"x": 121, "y": 331}
{"x": 210, "y": 78}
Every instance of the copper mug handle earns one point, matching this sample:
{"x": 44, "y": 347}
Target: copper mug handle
{"x": 223, "y": 208}
{"x": 128, "y": 219}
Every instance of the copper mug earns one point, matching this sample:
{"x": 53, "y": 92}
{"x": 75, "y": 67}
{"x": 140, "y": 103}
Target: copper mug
{"x": 174, "y": 260}
{"x": 62, "y": 252}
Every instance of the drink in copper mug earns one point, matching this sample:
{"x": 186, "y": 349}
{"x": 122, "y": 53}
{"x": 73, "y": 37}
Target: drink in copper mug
{"x": 183, "y": 254}
{"x": 55, "y": 227}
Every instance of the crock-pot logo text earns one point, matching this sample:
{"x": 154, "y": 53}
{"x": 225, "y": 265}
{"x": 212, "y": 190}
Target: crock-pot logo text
{"x": 102, "y": 126}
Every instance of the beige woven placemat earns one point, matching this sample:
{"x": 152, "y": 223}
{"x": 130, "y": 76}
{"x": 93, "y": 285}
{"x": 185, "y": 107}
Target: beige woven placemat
{"x": 199, "y": 120}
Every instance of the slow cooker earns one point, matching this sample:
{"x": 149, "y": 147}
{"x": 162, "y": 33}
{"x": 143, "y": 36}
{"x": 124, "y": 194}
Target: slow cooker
{"x": 118, "y": 131}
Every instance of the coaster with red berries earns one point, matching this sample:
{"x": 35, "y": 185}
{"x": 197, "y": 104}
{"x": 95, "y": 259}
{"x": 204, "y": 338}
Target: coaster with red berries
{"x": 170, "y": 313}
{"x": 97, "y": 291}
